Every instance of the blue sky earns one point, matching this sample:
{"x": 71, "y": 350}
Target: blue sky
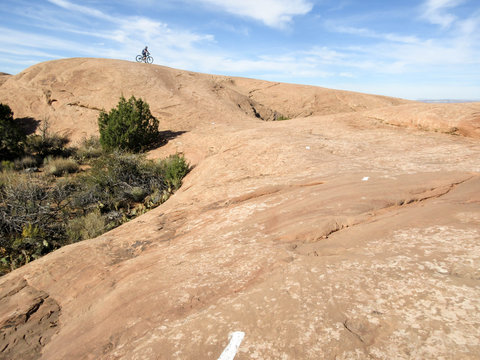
{"x": 426, "y": 49}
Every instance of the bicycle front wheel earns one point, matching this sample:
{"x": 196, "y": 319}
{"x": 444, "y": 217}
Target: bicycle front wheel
{"x": 149, "y": 59}
{"x": 139, "y": 58}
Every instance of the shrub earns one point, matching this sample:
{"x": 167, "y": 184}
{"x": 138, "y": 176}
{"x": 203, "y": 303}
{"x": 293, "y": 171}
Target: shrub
{"x": 118, "y": 180}
{"x": 115, "y": 180}
{"x": 86, "y": 227}
{"x": 137, "y": 193}
{"x": 6, "y": 165}
{"x": 32, "y": 199}
{"x": 49, "y": 145}
{"x": 12, "y": 135}
{"x": 30, "y": 245}
{"x": 174, "y": 168}
{"x": 22, "y": 200}
{"x": 60, "y": 166}
{"x": 26, "y": 162}
{"x": 129, "y": 126}
{"x": 32, "y": 217}
{"x": 90, "y": 148}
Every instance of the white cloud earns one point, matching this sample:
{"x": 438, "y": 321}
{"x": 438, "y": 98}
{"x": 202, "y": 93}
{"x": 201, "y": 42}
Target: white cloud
{"x": 223, "y": 26}
{"x": 274, "y": 13}
{"x": 435, "y": 11}
{"x": 131, "y": 29}
{"x": 325, "y": 54}
{"x": 448, "y": 52}
{"x": 11, "y": 38}
{"x": 370, "y": 33}
{"x": 425, "y": 57}
{"x": 469, "y": 28}
{"x": 81, "y": 9}
{"x": 145, "y": 30}
{"x": 24, "y": 53}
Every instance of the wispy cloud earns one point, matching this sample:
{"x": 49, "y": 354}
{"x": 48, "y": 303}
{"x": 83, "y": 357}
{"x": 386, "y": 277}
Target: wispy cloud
{"x": 131, "y": 28}
{"x": 224, "y": 26}
{"x": 11, "y": 38}
{"x": 82, "y": 9}
{"x": 32, "y": 53}
{"x": 292, "y": 65}
{"x": 436, "y": 11}
{"x": 325, "y": 55}
{"x": 469, "y": 28}
{"x": 332, "y": 26}
{"x": 273, "y": 13}
{"x": 416, "y": 53}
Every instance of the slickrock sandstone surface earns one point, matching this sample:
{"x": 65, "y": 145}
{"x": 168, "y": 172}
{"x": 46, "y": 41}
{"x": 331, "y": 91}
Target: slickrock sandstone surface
{"x": 351, "y": 231}
{"x": 3, "y": 77}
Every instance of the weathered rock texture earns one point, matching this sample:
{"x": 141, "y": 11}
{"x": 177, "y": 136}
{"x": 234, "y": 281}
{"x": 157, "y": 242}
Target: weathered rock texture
{"x": 3, "y": 77}
{"x": 351, "y": 231}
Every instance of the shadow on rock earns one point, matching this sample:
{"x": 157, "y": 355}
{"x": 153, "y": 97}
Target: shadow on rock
{"x": 28, "y": 124}
{"x": 164, "y": 137}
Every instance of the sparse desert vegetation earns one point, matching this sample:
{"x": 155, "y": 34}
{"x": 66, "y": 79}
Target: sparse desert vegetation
{"x": 52, "y": 195}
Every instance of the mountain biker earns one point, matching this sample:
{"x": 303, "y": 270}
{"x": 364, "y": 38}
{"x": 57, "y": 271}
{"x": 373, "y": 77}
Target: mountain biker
{"x": 145, "y": 52}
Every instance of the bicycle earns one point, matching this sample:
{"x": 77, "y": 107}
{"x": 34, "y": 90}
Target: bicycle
{"x": 146, "y": 59}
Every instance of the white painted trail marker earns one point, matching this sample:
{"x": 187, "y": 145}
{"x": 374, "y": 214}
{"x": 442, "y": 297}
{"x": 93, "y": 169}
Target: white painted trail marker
{"x": 232, "y": 348}
{"x": 365, "y": 178}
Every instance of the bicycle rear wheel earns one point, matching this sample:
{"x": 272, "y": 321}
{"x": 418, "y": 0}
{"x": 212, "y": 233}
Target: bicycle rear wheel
{"x": 139, "y": 58}
{"x": 149, "y": 59}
